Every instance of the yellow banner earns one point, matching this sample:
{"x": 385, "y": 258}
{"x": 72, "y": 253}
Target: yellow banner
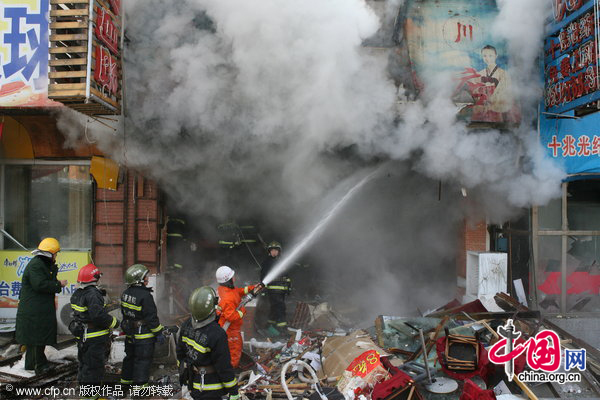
{"x": 12, "y": 267}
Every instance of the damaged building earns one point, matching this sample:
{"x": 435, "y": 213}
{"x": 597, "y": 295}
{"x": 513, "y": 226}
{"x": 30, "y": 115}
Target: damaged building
{"x": 427, "y": 201}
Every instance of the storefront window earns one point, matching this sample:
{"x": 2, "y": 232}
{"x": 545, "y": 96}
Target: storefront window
{"x": 583, "y": 273}
{"x": 548, "y": 274}
{"x": 48, "y": 200}
{"x": 550, "y": 216}
{"x": 581, "y": 293}
{"x": 583, "y": 205}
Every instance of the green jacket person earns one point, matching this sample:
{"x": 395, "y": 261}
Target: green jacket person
{"x": 36, "y": 314}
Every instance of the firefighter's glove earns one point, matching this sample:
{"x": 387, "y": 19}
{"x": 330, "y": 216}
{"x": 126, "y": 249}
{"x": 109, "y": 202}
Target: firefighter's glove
{"x": 160, "y": 339}
{"x": 257, "y": 289}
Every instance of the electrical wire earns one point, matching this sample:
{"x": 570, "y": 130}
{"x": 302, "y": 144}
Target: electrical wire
{"x": 248, "y": 247}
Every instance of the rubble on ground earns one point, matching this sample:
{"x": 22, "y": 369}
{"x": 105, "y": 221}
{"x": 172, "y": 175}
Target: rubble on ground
{"x": 443, "y": 355}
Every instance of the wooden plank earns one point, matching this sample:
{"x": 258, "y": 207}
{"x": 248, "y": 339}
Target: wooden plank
{"x": 69, "y": 1}
{"x": 73, "y": 12}
{"x": 66, "y": 93}
{"x": 68, "y": 61}
{"x": 64, "y": 86}
{"x": 110, "y": 101}
{"x": 69, "y": 25}
{"x": 67, "y": 74}
{"x": 68, "y": 37}
{"x": 528, "y": 392}
{"x": 68, "y": 49}
{"x": 117, "y": 96}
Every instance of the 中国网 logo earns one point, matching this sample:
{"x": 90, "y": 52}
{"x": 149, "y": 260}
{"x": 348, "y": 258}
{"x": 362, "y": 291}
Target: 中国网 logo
{"x": 543, "y": 356}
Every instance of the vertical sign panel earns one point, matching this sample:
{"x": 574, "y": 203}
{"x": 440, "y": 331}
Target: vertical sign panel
{"x": 571, "y": 56}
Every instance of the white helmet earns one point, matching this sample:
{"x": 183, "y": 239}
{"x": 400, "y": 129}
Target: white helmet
{"x": 224, "y": 274}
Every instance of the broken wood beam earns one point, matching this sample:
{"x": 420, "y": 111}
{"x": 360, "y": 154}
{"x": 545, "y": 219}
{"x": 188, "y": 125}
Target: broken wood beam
{"x": 528, "y": 314}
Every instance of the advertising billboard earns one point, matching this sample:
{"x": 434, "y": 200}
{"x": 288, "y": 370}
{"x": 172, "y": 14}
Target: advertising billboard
{"x": 570, "y": 56}
{"x": 24, "y": 53}
{"x": 85, "y": 55}
{"x": 575, "y": 143}
{"x": 454, "y": 38}
{"x": 12, "y": 267}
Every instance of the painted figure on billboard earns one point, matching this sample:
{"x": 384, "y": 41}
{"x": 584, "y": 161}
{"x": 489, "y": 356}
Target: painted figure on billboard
{"x": 491, "y": 91}
{"x": 454, "y": 38}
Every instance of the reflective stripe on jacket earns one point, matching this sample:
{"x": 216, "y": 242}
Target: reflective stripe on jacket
{"x": 140, "y": 316}
{"x": 88, "y": 307}
{"x": 203, "y": 347}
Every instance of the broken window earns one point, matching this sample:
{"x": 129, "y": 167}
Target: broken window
{"x": 569, "y": 244}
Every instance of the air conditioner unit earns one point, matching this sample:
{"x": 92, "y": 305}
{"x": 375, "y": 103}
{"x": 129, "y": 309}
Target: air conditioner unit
{"x": 486, "y": 274}
{"x": 63, "y": 314}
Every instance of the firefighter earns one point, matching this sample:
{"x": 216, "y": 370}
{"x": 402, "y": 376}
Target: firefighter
{"x": 276, "y": 290}
{"x": 140, "y": 325}
{"x": 229, "y": 301}
{"x": 36, "y": 315}
{"x": 91, "y": 326}
{"x": 202, "y": 350}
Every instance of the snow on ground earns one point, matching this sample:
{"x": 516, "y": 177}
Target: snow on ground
{"x": 57, "y": 356}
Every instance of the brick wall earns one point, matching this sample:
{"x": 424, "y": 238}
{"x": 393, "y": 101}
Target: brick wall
{"x": 126, "y": 228}
{"x": 474, "y": 238}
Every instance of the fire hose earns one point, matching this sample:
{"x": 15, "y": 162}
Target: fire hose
{"x": 315, "y": 381}
{"x": 245, "y": 300}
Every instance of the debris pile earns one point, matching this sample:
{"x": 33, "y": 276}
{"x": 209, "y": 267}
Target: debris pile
{"x": 451, "y": 353}
{"x": 444, "y": 355}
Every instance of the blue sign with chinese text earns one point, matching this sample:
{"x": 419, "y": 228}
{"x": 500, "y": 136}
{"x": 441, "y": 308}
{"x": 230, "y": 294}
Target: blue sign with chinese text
{"x": 575, "y": 143}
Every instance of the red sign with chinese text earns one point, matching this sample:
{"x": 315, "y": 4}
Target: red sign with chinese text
{"x": 106, "y": 73}
{"x": 106, "y": 31}
{"x": 564, "y": 7}
{"x": 365, "y": 363}
{"x": 115, "y": 6}
{"x": 571, "y": 58}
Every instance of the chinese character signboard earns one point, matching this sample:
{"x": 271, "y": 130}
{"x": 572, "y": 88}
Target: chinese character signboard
{"x": 570, "y": 57}
{"x": 575, "y": 143}
{"x": 24, "y": 53}
{"x": 564, "y": 8}
{"x": 454, "y": 38}
{"x": 85, "y": 55}
{"x": 544, "y": 356}
{"x": 12, "y": 267}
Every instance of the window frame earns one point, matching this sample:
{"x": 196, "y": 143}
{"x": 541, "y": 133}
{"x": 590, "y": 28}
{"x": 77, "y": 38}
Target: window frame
{"x": 33, "y": 162}
{"x": 564, "y": 234}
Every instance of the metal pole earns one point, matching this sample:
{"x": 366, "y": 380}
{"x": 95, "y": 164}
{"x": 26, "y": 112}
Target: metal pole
{"x": 13, "y": 239}
{"x": 425, "y": 357}
{"x": 563, "y": 264}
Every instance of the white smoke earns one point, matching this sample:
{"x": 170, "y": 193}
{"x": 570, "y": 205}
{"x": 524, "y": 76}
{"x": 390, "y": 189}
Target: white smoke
{"x": 244, "y": 108}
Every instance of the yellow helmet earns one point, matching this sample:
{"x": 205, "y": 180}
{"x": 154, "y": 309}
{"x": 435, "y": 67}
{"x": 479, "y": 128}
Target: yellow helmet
{"x": 50, "y": 245}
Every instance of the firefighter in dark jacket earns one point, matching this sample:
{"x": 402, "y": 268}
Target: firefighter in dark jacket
{"x": 276, "y": 290}
{"x": 36, "y": 313}
{"x": 140, "y": 325}
{"x": 91, "y": 326}
{"x": 202, "y": 350}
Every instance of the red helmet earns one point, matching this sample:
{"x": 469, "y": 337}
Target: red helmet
{"x": 89, "y": 273}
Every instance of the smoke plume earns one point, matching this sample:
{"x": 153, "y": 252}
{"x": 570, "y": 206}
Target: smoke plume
{"x": 259, "y": 109}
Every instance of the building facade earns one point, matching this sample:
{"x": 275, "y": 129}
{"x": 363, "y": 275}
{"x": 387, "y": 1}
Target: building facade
{"x": 100, "y": 211}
